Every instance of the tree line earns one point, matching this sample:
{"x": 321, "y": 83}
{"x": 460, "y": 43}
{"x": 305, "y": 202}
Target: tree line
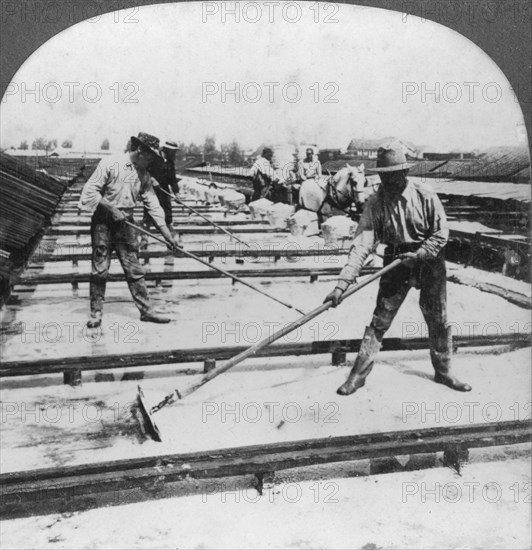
{"x": 231, "y": 153}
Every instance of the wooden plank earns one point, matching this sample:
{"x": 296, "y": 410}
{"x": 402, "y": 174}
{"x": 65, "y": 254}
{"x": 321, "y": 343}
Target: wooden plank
{"x": 511, "y": 296}
{"x": 192, "y": 355}
{"x": 190, "y": 220}
{"x": 255, "y": 251}
{"x": 181, "y": 229}
{"x": 61, "y": 278}
{"x": 36, "y": 491}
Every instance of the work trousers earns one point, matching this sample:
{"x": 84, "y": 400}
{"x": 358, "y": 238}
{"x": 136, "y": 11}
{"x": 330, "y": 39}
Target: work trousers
{"x": 430, "y": 277}
{"x": 108, "y": 235}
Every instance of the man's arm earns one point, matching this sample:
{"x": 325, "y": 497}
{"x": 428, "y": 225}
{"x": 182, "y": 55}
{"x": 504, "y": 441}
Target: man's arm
{"x": 301, "y": 171}
{"x": 438, "y": 229}
{"x": 173, "y": 179}
{"x": 363, "y": 244}
{"x": 150, "y": 200}
{"x": 91, "y": 195}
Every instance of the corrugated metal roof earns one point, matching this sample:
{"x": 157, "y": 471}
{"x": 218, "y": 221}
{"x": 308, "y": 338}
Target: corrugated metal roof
{"x": 29, "y": 199}
{"x": 503, "y": 191}
{"x": 498, "y": 166}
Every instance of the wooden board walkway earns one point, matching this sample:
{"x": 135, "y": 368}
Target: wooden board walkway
{"x": 338, "y": 348}
{"x": 71, "y": 488}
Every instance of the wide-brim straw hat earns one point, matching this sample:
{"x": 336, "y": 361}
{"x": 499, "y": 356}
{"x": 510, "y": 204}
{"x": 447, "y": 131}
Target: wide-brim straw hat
{"x": 391, "y": 159}
{"x": 171, "y": 145}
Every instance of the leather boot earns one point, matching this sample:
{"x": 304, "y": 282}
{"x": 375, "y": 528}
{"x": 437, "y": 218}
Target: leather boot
{"x": 441, "y": 361}
{"x": 140, "y": 295}
{"x": 152, "y": 317}
{"x": 370, "y": 346}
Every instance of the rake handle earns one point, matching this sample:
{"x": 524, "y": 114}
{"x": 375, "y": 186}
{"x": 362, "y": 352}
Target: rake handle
{"x": 198, "y": 259}
{"x": 282, "y": 332}
{"x": 204, "y": 217}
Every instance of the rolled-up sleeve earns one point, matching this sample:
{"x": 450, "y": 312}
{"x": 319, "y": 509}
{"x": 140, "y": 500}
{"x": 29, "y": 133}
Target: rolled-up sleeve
{"x": 150, "y": 200}
{"x": 363, "y": 244}
{"x": 91, "y": 195}
{"x": 438, "y": 229}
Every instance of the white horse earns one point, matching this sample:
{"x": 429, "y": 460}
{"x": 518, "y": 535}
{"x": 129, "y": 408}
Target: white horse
{"x": 333, "y": 195}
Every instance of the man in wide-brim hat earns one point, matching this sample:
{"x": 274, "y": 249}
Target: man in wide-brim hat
{"x": 409, "y": 219}
{"x": 111, "y": 194}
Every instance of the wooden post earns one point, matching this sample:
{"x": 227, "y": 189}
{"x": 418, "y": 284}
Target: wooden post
{"x": 339, "y": 357}
{"x": 209, "y": 364}
{"x": 72, "y": 377}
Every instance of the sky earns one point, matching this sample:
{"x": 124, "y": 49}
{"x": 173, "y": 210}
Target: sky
{"x": 315, "y": 72}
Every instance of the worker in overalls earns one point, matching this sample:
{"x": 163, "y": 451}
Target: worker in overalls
{"x": 409, "y": 219}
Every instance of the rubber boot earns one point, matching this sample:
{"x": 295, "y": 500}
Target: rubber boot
{"x": 441, "y": 361}
{"x": 370, "y": 346}
{"x": 140, "y": 295}
{"x": 97, "y": 297}
{"x": 95, "y": 320}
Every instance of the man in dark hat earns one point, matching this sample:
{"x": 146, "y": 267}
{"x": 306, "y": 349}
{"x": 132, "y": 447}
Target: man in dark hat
{"x": 111, "y": 193}
{"x": 409, "y": 218}
{"x": 163, "y": 171}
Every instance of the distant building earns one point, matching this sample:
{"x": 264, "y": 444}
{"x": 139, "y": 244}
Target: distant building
{"x": 368, "y": 148}
{"x": 326, "y": 155}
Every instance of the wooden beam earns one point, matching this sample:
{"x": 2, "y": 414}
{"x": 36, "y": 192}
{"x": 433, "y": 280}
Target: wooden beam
{"x": 71, "y": 487}
{"x": 188, "y": 229}
{"x": 221, "y": 250}
{"x": 61, "y": 278}
{"x": 199, "y": 355}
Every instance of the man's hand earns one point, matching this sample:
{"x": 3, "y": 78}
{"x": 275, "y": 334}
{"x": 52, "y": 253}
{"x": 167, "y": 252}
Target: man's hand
{"x": 409, "y": 258}
{"x": 168, "y": 237}
{"x": 335, "y": 297}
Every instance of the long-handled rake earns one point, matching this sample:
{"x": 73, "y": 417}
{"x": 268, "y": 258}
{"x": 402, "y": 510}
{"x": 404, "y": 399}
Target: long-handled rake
{"x": 176, "y": 248}
{"x": 214, "y": 224}
{"x": 148, "y": 412}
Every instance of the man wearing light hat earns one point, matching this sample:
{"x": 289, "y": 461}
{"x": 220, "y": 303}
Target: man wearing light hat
{"x": 110, "y": 194}
{"x": 410, "y": 220}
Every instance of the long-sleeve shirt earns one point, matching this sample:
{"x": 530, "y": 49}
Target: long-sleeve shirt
{"x": 264, "y": 167}
{"x": 416, "y": 216}
{"x": 118, "y": 182}
{"x": 308, "y": 170}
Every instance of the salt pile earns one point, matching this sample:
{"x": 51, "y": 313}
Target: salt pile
{"x": 233, "y": 200}
{"x": 337, "y": 230}
{"x": 303, "y": 223}
{"x": 278, "y": 215}
{"x": 259, "y": 209}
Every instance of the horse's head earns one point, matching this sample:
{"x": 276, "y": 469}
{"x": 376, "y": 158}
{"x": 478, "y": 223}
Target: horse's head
{"x": 348, "y": 184}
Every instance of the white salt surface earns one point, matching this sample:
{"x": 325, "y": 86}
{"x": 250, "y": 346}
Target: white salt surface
{"x": 383, "y": 511}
